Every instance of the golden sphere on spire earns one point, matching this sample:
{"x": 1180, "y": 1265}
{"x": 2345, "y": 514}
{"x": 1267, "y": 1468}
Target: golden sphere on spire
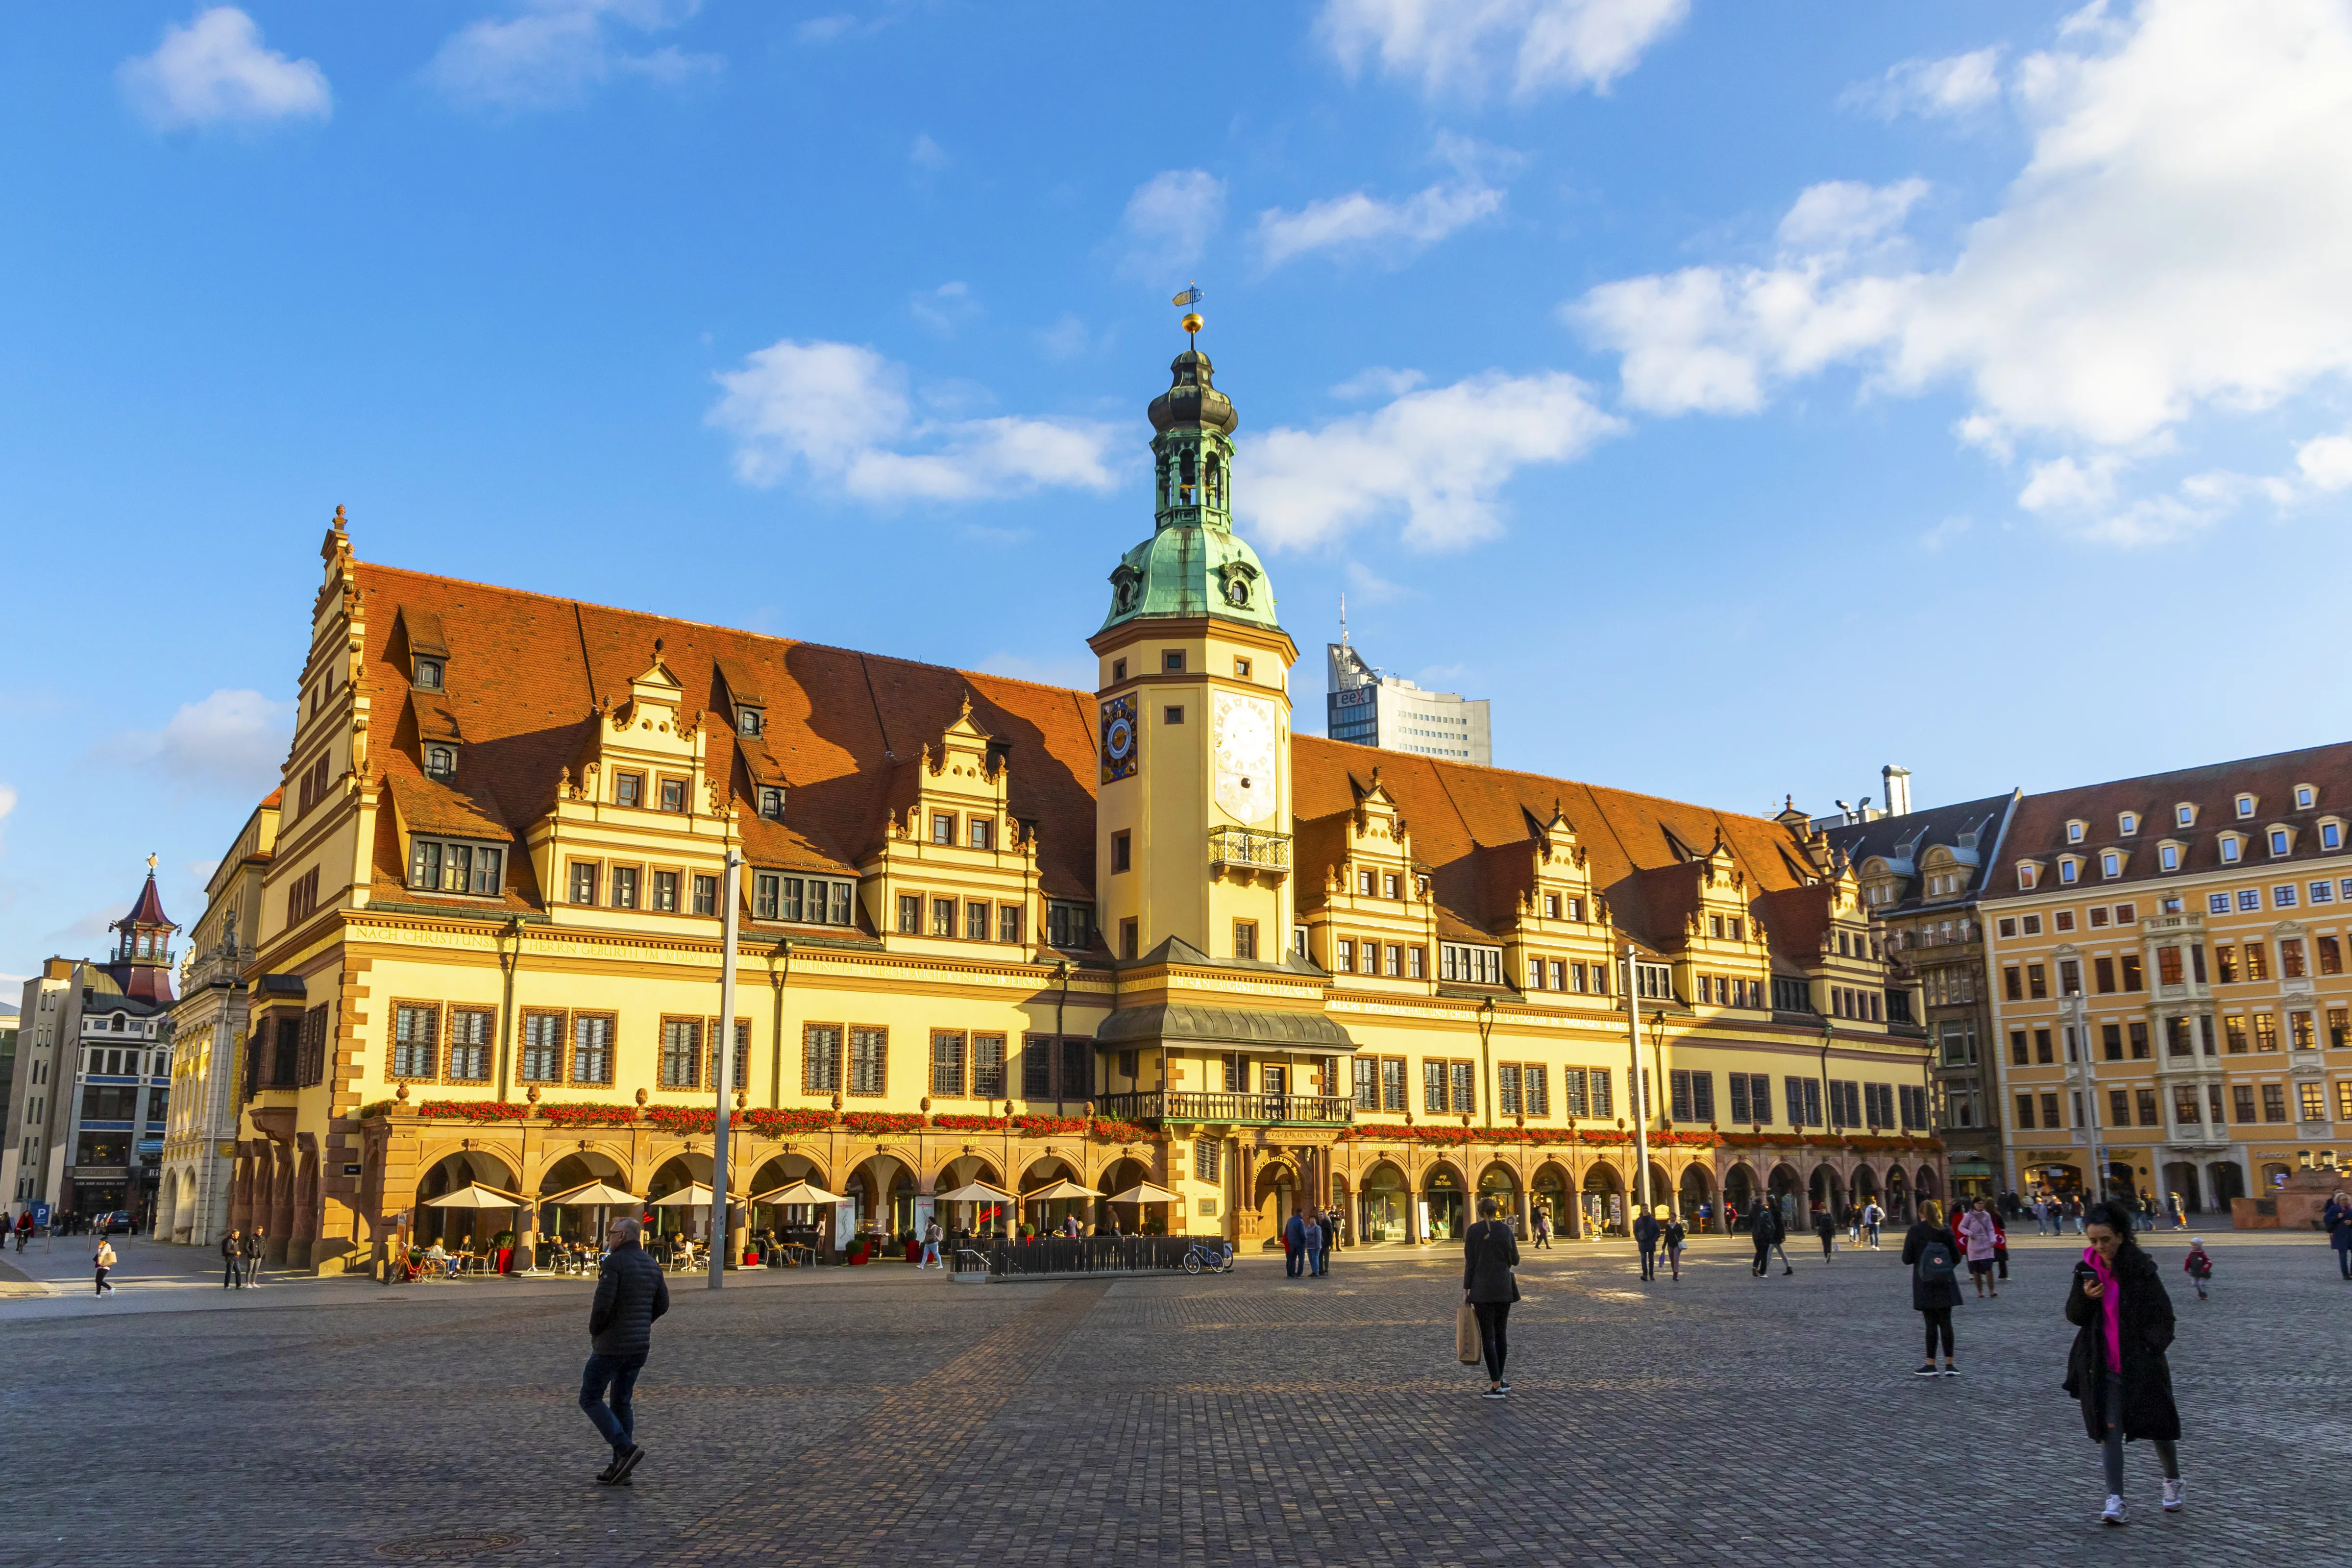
{"x": 1192, "y": 322}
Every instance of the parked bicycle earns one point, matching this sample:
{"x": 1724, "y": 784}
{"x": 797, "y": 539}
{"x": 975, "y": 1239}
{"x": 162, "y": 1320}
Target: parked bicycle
{"x": 1218, "y": 1259}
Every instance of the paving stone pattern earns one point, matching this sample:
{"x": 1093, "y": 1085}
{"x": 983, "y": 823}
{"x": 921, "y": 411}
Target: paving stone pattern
{"x": 881, "y": 1416}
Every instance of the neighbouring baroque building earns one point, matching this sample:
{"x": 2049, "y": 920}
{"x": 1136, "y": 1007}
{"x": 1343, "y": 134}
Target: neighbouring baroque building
{"x": 2171, "y": 988}
{"x": 1004, "y": 933}
{"x": 85, "y": 1125}
{"x": 1921, "y": 874}
{"x": 208, "y": 1028}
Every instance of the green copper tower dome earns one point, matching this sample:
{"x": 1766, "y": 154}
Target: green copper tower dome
{"x": 1193, "y": 564}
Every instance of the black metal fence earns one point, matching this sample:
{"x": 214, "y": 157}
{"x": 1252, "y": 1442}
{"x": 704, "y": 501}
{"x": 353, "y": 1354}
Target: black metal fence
{"x": 1080, "y": 1254}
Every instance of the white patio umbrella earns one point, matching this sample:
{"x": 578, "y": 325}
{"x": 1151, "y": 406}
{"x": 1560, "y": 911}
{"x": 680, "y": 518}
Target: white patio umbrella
{"x": 696, "y": 1196}
{"x": 1144, "y": 1193}
{"x": 1064, "y": 1188}
{"x": 976, "y": 1192}
{"x": 595, "y": 1195}
{"x": 799, "y": 1192}
{"x": 476, "y": 1197}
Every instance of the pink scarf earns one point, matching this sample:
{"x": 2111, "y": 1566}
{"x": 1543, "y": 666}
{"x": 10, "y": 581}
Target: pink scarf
{"x": 2110, "y": 1306}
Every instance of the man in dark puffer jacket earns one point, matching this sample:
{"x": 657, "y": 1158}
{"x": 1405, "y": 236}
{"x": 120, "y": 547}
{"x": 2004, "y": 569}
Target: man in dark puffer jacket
{"x": 630, "y": 1294}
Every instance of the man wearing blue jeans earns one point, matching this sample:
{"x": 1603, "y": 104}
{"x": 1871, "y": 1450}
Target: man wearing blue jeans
{"x": 630, "y": 1294}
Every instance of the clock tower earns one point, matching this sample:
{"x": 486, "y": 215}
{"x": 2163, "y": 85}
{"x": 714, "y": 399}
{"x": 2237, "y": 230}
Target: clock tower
{"x": 1192, "y": 814}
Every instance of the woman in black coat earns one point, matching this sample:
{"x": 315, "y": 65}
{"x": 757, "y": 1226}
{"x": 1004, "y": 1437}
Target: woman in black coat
{"x": 1934, "y": 1281}
{"x": 1489, "y": 1253}
{"x": 2116, "y": 1369}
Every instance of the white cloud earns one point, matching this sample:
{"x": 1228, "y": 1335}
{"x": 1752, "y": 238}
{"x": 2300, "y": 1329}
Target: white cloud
{"x": 843, "y": 414}
{"x": 1067, "y": 338}
{"x": 2173, "y": 247}
{"x": 1356, "y": 223}
{"x": 1439, "y": 457}
{"x": 825, "y": 29}
{"x": 945, "y": 308}
{"x": 1952, "y": 86}
{"x": 216, "y": 71}
{"x": 1378, "y": 381}
{"x": 2326, "y": 463}
{"x": 551, "y": 52}
{"x": 232, "y": 739}
{"x": 926, "y": 153}
{"x": 1464, "y": 47}
{"x": 1169, "y": 221}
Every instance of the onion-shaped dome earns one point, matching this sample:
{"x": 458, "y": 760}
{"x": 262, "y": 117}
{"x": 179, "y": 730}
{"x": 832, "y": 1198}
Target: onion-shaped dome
{"x": 1193, "y": 399}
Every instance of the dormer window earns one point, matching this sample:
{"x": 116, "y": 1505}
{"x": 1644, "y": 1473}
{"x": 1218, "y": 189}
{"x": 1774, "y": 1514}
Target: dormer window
{"x": 2128, "y": 823}
{"x": 750, "y": 720}
{"x": 2069, "y": 869}
{"x": 441, "y": 762}
{"x": 2074, "y": 831}
{"x": 2232, "y": 847}
{"x": 2306, "y": 797}
{"x": 771, "y": 803}
{"x": 2246, "y": 806}
{"x": 2184, "y": 815}
{"x": 437, "y": 866}
{"x": 2331, "y": 835}
{"x": 2168, "y": 856}
{"x": 2111, "y": 863}
{"x": 2281, "y": 841}
{"x": 428, "y": 674}
{"x": 2028, "y": 874}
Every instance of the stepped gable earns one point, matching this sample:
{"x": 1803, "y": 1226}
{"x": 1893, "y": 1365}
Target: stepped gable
{"x": 1460, "y": 815}
{"x": 527, "y": 672}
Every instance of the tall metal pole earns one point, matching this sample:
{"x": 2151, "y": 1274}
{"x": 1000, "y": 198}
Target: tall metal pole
{"x": 723, "y": 1075}
{"x": 2077, "y": 1014}
{"x": 1634, "y": 1088}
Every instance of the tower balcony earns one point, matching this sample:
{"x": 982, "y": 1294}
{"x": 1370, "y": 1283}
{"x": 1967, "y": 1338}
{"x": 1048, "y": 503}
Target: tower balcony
{"x": 1245, "y": 849}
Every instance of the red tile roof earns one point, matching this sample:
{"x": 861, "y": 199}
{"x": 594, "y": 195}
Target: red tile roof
{"x": 2037, "y": 830}
{"x": 843, "y": 731}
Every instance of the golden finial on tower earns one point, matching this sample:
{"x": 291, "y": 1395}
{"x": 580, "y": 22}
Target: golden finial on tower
{"x": 1190, "y": 295}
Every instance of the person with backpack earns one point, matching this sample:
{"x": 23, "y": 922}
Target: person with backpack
{"x": 1872, "y": 1216}
{"x": 1933, "y": 1257}
{"x": 2199, "y": 1265}
{"x": 1645, "y": 1236}
{"x": 2116, "y": 1369}
{"x": 1489, "y": 1254}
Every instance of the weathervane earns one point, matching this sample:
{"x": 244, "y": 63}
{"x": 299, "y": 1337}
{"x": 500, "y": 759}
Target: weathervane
{"x": 1190, "y": 295}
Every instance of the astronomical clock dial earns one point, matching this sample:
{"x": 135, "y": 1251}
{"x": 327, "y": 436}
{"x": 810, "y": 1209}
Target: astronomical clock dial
{"x": 1249, "y": 737}
{"x": 1118, "y": 740}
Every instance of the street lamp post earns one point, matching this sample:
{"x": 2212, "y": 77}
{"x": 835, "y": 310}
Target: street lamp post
{"x": 1486, "y": 1056}
{"x": 2077, "y": 1014}
{"x": 1633, "y": 1087}
{"x": 723, "y": 1073}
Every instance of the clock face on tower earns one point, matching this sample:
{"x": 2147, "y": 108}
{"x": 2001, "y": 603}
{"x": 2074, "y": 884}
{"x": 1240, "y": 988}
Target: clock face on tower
{"x": 1118, "y": 740}
{"x": 1249, "y": 738}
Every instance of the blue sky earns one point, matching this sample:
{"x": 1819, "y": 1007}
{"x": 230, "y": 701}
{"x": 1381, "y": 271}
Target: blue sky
{"x": 1741, "y": 395}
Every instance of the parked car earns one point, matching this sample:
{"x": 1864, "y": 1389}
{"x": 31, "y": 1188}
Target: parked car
{"x": 114, "y": 1222}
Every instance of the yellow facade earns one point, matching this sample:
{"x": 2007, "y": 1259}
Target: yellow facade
{"x": 982, "y": 941}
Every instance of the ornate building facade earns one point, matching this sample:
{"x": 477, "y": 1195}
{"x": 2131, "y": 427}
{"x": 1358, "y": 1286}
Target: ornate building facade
{"x": 208, "y": 1038}
{"x": 1004, "y": 933}
{"x": 2169, "y": 983}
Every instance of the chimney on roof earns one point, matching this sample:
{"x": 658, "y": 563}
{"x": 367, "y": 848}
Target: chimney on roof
{"x": 1899, "y": 789}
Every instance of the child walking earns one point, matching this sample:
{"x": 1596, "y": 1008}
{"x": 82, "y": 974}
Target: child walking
{"x": 2199, "y": 1264}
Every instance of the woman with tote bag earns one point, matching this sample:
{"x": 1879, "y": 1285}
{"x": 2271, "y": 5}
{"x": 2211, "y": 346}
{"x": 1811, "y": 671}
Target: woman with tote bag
{"x": 1489, "y": 1254}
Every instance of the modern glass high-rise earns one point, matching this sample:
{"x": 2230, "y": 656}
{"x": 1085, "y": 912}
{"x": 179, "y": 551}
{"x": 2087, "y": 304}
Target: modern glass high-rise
{"x": 1373, "y": 708}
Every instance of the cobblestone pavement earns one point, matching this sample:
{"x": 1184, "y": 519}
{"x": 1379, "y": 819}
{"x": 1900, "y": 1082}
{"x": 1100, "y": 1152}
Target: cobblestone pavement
{"x": 877, "y": 1415}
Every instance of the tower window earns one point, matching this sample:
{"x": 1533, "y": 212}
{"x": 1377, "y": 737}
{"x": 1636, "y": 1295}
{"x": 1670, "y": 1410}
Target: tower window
{"x": 1172, "y": 715}
{"x": 1117, "y": 670}
{"x": 1173, "y": 660}
{"x": 1245, "y": 939}
{"x": 1242, "y": 667}
{"x": 1122, "y": 851}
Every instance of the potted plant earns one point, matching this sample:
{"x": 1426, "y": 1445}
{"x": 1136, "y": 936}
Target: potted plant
{"x": 504, "y": 1244}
